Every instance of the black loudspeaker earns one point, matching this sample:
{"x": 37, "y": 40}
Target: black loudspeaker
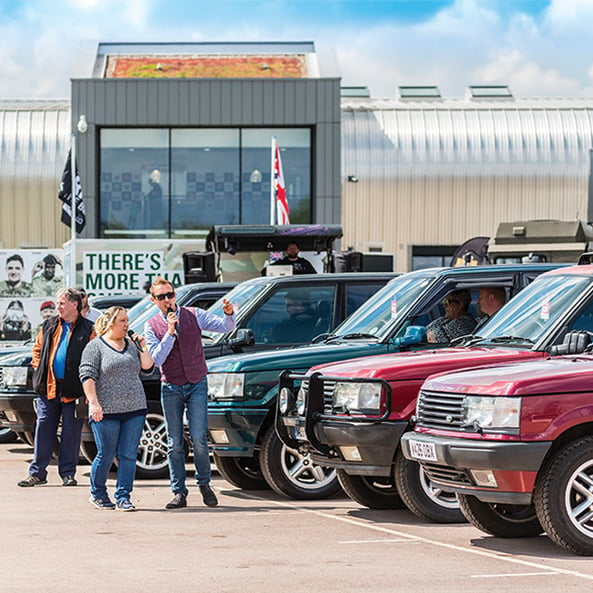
{"x": 348, "y": 261}
{"x": 198, "y": 266}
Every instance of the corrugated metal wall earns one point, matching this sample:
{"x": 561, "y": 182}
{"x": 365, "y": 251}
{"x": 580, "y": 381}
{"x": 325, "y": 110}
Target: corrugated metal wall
{"x": 438, "y": 173}
{"x": 429, "y": 173}
{"x": 34, "y": 142}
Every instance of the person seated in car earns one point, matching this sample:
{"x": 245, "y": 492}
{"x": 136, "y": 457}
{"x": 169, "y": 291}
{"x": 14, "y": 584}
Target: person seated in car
{"x": 300, "y": 323}
{"x": 457, "y": 320}
{"x": 490, "y": 301}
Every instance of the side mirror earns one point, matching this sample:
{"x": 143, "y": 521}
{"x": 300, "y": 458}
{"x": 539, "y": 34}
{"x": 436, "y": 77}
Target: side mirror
{"x": 415, "y": 334}
{"x": 243, "y": 337}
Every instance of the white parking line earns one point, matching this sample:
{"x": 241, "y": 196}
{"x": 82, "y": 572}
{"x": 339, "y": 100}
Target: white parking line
{"x": 513, "y": 575}
{"x": 379, "y": 541}
{"x": 503, "y": 556}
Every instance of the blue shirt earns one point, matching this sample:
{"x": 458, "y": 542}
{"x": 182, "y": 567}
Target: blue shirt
{"x": 59, "y": 366}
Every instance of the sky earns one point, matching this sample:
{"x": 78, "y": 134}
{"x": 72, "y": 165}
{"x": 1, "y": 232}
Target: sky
{"x": 537, "y": 47}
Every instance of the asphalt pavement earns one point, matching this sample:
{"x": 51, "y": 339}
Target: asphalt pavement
{"x": 54, "y": 540}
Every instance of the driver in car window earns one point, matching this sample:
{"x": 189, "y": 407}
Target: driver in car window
{"x": 457, "y": 320}
{"x": 300, "y": 323}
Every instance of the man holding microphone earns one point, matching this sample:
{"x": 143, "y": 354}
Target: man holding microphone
{"x": 174, "y": 339}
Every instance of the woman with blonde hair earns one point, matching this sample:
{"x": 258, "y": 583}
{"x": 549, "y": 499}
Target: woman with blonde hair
{"x": 110, "y": 374}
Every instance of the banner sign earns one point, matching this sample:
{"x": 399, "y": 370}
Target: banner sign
{"x": 29, "y": 280}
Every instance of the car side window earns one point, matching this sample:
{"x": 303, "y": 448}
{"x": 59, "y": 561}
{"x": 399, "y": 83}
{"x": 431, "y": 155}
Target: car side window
{"x": 357, "y": 294}
{"x": 293, "y": 315}
{"x": 584, "y": 321}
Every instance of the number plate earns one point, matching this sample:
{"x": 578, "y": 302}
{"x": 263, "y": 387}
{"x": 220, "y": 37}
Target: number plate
{"x": 423, "y": 451}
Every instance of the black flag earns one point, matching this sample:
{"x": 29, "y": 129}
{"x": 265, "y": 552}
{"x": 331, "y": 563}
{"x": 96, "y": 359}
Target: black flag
{"x": 65, "y": 194}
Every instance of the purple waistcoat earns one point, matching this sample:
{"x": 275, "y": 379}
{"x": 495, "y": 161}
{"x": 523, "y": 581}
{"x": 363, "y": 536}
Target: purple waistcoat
{"x": 186, "y": 362}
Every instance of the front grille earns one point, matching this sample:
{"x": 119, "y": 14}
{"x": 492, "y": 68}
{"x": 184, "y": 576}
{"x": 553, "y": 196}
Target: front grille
{"x": 448, "y": 475}
{"x": 328, "y": 396}
{"x": 328, "y": 391}
{"x": 440, "y": 410}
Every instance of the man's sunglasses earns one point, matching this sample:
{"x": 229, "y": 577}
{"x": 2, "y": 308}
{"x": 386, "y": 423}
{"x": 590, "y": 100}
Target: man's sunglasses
{"x": 447, "y": 302}
{"x": 166, "y": 295}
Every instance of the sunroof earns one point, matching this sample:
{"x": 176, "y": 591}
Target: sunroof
{"x": 355, "y": 91}
{"x": 416, "y": 92}
{"x": 499, "y": 90}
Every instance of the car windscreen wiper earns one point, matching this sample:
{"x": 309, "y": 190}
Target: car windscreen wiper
{"x": 353, "y": 336}
{"x": 510, "y": 339}
{"x": 468, "y": 340}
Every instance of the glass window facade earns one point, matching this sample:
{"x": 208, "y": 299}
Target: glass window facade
{"x": 161, "y": 182}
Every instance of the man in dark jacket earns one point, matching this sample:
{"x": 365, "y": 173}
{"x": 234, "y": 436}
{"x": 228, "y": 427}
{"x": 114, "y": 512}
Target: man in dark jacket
{"x": 56, "y": 358}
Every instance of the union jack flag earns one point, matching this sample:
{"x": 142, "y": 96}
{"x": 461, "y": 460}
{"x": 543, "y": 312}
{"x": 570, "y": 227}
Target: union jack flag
{"x": 282, "y": 210}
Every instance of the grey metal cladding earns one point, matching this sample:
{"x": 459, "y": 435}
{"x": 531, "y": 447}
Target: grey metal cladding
{"x": 207, "y": 102}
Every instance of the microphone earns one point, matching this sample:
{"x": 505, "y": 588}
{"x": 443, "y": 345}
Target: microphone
{"x": 135, "y": 341}
{"x": 170, "y": 310}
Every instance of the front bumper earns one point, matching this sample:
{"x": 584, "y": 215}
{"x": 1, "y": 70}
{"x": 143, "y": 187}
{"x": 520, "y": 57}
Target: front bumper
{"x": 20, "y": 415}
{"x": 19, "y": 410}
{"x": 234, "y": 432}
{"x": 363, "y": 449}
{"x": 457, "y": 463}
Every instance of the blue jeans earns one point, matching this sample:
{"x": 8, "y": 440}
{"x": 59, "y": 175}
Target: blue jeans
{"x": 49, "y": 412}
{"x": 192, "y": 397}
{"x": 115, "y": 438}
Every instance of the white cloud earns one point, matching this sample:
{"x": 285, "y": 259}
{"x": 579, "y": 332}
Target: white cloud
{"x": 470, "y": 41}
{"x": 525, "y": 77}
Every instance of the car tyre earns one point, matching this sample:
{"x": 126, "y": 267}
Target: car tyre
{"x": 374, "y": 492}
{"x": 292, "y": 474}
{"x": 27, "y": 437}
{"x": 151, "y": 462}
{"x": 7, "y": 435}
{"x": 501, "y": 520}
{"x": 242, "y": 472}
{"x": 422, "y": 496}
{"x": 563, "y": 497}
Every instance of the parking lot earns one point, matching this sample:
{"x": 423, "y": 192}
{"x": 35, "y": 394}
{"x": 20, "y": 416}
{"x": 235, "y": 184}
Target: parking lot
{"x": 53, "y": 539}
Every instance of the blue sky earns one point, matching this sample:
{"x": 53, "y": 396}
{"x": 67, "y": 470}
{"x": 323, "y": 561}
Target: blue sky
{"x": 537, "y": 47}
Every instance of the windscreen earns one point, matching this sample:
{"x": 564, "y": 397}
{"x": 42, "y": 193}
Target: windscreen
{"x": 536, "y": 308}
{"x": 379, "y": 313}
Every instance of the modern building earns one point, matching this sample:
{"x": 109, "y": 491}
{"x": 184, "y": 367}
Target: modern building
{"x": 173, "y": 138}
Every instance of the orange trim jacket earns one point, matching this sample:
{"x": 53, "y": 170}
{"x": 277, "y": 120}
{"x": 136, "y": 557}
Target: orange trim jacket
{"x": 51, "y": 379}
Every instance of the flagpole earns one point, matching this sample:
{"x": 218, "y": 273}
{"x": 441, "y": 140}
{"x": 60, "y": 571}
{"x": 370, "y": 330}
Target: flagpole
{"x": 73, "y": 212}
{"x": 272, "y": 183}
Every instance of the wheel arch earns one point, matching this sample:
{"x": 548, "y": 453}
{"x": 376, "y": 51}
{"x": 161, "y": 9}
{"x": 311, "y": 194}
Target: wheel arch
{"x": 574, "y": 433}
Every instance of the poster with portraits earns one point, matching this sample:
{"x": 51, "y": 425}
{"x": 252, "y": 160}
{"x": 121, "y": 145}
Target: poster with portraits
{"x": 29, "y": 280}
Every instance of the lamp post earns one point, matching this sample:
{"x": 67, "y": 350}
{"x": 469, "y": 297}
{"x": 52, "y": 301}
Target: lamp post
{"x": 82, "y": 127}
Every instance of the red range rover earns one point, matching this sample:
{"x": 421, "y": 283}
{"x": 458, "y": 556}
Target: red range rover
{"x": 515, "y": 442}
{"x": 353, "y": 415}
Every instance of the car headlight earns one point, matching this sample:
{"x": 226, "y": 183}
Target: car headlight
{"x": 285, "y": 400}
{"x": 14, "y": 376}
{"x": 361, "y": 398}
{"x": 225, "y": 385}
{"x": 300, "y": 401}
{"x": 494, "y": 413}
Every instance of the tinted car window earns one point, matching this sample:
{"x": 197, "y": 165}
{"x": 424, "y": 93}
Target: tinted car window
{"x": 294, "y": 314}
{"x": 357, "y": 294}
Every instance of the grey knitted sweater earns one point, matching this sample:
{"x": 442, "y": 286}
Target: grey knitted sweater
{"x": 116, "y": 375}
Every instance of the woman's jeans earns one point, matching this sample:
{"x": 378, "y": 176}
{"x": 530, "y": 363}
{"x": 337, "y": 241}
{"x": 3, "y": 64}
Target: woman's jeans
{"x": 193, "y": 398}
{"x": 115, "y": 438}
